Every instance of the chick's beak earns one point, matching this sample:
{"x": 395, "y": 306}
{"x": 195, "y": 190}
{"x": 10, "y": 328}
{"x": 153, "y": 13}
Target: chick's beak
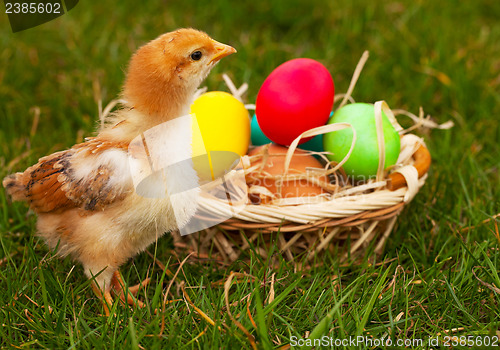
{"x": 222, "y": 51}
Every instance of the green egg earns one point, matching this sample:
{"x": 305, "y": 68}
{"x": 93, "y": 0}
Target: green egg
{"x": 363, "y": 162}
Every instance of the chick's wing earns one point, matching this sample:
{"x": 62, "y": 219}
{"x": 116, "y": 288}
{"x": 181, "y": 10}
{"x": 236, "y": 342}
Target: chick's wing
{"x": 91, "y": 176}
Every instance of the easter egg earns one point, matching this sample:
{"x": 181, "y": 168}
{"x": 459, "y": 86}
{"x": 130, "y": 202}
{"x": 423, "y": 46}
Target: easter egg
{"x": 295, "y": 97}
{"x": 220, "y": 136}
{"x": 275, "y": 165}
{"x": 223, "y": 121}
{"x": 315, "y": 144}
{"x": 258, "y": 138}
{"x": 363, "y": 162}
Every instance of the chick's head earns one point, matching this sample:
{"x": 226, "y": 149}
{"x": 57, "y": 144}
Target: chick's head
{"x": 172, "y": 65}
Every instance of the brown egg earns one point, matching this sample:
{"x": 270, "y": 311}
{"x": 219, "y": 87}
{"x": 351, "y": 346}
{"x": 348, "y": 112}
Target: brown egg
{"x": 275, "y": 166}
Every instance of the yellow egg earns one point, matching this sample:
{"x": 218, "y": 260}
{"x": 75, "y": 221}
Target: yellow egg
{"x": 224, "y": 122}
{"x": 224, "y": 125}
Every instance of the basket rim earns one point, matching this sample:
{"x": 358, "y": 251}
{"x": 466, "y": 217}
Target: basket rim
{"x": 382, "y": 201}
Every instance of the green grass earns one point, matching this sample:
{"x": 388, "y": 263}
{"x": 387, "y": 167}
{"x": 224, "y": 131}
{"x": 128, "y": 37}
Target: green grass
{"x": 442, "y": 55}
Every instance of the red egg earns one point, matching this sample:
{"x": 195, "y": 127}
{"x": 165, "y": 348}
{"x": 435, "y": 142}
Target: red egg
{"x": 295, "y": 97}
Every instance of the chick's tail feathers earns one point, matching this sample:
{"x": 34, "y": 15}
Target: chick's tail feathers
{"x": 15, "y": 185}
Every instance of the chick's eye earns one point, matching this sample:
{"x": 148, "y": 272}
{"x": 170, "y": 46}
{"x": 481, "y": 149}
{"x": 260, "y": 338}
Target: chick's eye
{"x": 196, "y": 55}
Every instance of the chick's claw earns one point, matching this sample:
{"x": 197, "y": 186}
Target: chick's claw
{"x": 135, "y": 289}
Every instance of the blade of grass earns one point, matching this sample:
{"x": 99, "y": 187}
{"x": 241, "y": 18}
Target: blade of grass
{"x": 371, "y": 303}
{"x": 260, "y": 319}
{"x": 324, "y": 325}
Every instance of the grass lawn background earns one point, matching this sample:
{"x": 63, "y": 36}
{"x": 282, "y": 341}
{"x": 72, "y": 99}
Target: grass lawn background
{"x": 444, "y": 56}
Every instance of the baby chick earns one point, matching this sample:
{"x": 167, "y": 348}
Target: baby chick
{"x": 84, "y": 196}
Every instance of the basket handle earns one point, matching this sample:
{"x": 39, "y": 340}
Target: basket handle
{"x": 422, "y": 163}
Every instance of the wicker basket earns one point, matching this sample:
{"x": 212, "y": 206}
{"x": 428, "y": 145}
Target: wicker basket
{"x": 361, "y": 213}
{"x": 364, "y": 214}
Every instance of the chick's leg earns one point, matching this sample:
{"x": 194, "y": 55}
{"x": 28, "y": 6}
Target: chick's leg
{"x": 127, "y": 294}
{"x": 101, "y": 284}
{"x": 104, "y": 296}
